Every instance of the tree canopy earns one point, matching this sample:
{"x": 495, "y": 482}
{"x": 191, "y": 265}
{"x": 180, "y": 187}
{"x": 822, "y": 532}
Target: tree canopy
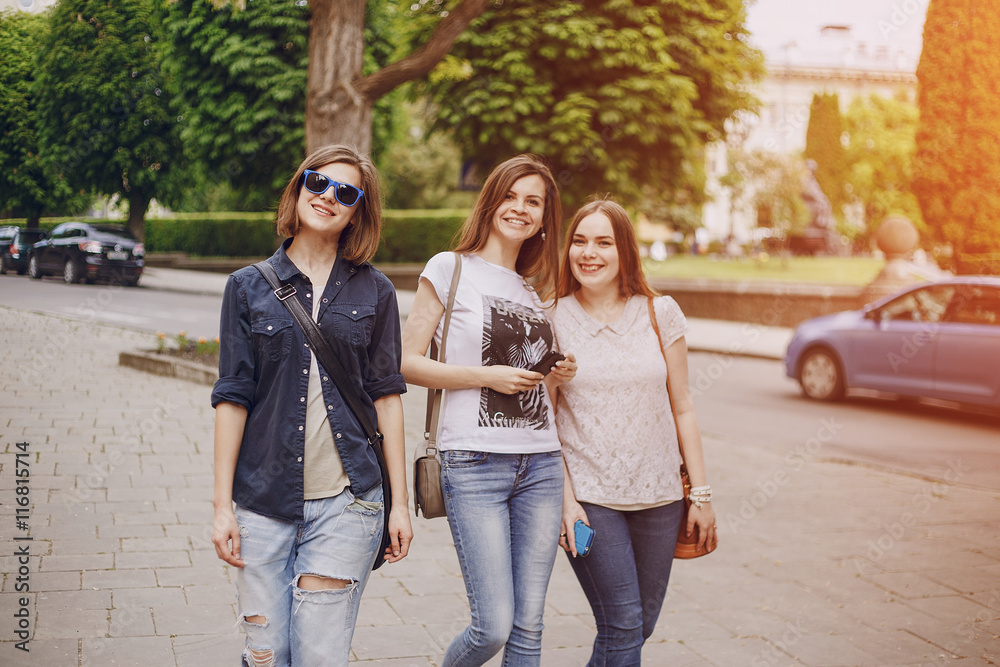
{"x": 104, "y": 117}
{"x": 619, "y": 96}
{"x": 882, "y": 142}
{"x": 238, "y": 77}
{"x": 824, "y": 146}
{"x": 27, "y": 183}
{"x": 956, "y": 173}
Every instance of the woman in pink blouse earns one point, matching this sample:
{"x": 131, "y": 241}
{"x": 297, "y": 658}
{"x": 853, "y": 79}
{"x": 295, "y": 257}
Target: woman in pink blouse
{"x": 626, "y": 423}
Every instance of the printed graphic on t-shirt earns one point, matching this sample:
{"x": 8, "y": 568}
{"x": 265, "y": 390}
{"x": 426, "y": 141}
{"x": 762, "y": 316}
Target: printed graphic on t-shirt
{"x": 519, "y": 336}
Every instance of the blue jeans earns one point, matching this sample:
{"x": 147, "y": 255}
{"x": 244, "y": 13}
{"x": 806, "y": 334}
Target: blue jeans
{"x": 337, "y": 539}
{"x": 625, "y": 577}
{"x": 504, "y": 511}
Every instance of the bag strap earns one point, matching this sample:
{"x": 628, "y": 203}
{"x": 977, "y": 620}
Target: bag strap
{"x": 328, "y": 359}
{"x": 659, "y": 342}
{"x": 434, "y": 395}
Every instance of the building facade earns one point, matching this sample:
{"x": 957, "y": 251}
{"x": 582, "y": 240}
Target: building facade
{"x": 832, "y": 63}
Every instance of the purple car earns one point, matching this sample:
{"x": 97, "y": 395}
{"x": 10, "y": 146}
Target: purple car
{"x": 937, "y": 340}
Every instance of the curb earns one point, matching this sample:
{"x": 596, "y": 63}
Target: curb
{"x": 158, "y": 364}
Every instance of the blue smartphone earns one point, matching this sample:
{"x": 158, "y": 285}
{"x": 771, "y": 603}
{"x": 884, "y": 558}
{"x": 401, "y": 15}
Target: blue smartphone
{"x": 584, "y": 535}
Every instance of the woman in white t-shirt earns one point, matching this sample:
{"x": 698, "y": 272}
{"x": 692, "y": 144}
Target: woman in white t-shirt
{"x": 624, "y": 434}
{"x": 502, "y": 471}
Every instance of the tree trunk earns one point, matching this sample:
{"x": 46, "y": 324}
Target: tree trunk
{"x": 336, "y": 113}
{"x": 33, "y": 217}
{"x": 138, "y": 203}
{"x": 338, "y": 100}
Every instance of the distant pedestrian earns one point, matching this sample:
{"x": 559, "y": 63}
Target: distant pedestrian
{"x": 501, "y": 466}
{"x": 288, "y": 450}
{"x": 624, "y": 434}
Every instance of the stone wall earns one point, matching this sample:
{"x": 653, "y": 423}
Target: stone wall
{"x": 780, "y": 304}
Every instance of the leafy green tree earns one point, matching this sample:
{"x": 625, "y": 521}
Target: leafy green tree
{"x": 103, "y": 117}
{"x": 879, "y": 155}
{"x": 824, "y": 145}
{"x": 619, "y": 95}
{"x": 956, "y": 172}
{"x": 26, "y": 183}
{"x": 422, "y": 170}
{"x": 255, "y": 88}
{"x": 772, "y": 184}
{"x": 341, "y": 93}
{"x": 238, "y": 80}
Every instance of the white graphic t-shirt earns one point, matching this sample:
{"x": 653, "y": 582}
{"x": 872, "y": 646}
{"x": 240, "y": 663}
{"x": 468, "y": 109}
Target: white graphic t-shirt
{"x": 496, "y": 321}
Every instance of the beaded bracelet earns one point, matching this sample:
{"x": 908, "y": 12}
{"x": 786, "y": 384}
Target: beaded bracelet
{"x": 700, "y": 494}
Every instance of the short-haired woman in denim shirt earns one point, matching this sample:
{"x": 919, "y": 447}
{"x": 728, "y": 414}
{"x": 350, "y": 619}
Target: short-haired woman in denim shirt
{"x": 288, "y": 449}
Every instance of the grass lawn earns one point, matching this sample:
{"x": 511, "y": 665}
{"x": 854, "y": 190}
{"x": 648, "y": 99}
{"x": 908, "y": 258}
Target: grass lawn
{"x": 832, "y": 270}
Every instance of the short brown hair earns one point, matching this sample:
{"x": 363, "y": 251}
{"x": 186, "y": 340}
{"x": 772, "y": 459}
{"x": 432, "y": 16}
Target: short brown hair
{"x": 631, "y": 280}
{"x": 359, "y": 241}
{"x": 537, "y": 259}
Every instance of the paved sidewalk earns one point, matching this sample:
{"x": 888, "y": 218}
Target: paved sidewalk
{"x": 820, "y": 563}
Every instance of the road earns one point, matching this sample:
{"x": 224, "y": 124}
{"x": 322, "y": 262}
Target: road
{"x": 751, "y": 401}
{"x": 740, "y": 400}
{"x": 133, "y": 307}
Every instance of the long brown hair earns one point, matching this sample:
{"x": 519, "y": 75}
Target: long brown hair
{"x": 631, "y": 280}
{"x": 538, "y": 259}
{"x": 359, "y": 240}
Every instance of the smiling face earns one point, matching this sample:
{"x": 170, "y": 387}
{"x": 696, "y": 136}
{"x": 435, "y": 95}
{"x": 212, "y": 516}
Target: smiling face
{"x": 323, "y": 214}
{"x": 593, "y": 254}
{"x": 519, "y": 216}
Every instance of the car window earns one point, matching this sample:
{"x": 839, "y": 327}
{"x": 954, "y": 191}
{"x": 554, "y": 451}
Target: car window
{"x": 922, "y": 305}
{"x": 31, "y": 236}
{"x": 976, "y": 304}
{"x": 115, "y": 230}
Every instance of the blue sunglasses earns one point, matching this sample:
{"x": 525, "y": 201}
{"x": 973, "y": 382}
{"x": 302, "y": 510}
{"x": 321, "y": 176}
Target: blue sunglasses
{"x": 317, "y": 183}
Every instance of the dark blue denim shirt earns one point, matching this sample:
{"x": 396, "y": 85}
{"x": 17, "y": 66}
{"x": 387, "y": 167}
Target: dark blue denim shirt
{"x": 264, "y": 366}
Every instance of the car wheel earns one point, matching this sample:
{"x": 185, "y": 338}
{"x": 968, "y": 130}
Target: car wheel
{"x": 3, "y": 264}
{"x": 33, "y": 269}
{"x": 820, "y": 376}
{"x": 71, "y": 272}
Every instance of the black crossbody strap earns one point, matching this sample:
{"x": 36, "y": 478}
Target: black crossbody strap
{"x": 321, "y": 348}
{"x": 328, "y": 359}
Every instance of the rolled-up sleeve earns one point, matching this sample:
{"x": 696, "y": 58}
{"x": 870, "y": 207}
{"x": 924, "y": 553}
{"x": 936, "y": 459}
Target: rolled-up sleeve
{"x": 384, "y": 350}
{"x": 236, "y": 383}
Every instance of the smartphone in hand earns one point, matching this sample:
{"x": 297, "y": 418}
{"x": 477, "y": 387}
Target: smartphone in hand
{"x": 546, "y": 364}
{"x": 584, "y": 536}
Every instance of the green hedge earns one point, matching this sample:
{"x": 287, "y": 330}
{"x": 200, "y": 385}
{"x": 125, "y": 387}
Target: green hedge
{"x": 417, "y": 235}
{"x": 407, "y": 235}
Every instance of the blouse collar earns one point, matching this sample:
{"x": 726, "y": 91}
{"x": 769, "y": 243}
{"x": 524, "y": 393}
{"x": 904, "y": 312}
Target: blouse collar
{"x": 620, "y": 326}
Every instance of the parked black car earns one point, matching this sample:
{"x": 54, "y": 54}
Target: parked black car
{"x": 15, "y": 242}
{"x": 85, "y": 252}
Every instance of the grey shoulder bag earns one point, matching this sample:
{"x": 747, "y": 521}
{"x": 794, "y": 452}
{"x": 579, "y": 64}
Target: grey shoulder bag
{"x": 428, "y": 497}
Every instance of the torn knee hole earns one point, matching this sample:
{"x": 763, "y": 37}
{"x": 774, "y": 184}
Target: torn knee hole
{"x": 256, "y": 620}
{"x": 313, "y": 582}
{"x": 261, "y": 657}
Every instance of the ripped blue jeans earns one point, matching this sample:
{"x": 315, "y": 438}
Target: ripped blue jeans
{"x": 337, "y": 539}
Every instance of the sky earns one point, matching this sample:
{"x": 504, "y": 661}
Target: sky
{"x": 892, "y": 23}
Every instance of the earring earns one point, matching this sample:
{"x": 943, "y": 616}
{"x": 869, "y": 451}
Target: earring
{"x": 543, "y": 236}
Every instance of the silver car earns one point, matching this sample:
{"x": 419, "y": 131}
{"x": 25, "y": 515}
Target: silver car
{"x": 937, "y": 340}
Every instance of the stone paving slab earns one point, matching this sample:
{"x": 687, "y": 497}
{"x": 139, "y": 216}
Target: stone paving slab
{"x": 835, "y": 565}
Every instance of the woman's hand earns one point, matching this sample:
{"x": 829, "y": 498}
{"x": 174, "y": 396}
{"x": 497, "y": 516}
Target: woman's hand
{"x": 225, "y": 529}
{"x": 400, "y": 532}
{"x": 702, "y": 518}
{"x": 563, "y": 372}
{"x": 572, "y": 512}
{"x": 509, "y": 380}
